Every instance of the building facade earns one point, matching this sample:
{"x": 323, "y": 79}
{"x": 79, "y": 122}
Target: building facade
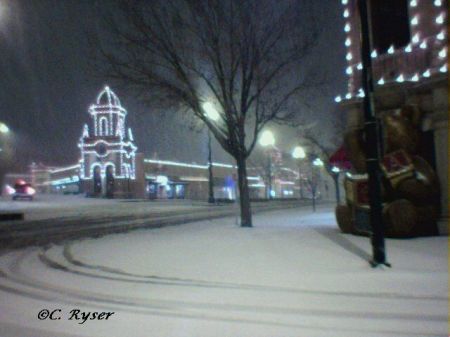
{"x": 410, "y": 74}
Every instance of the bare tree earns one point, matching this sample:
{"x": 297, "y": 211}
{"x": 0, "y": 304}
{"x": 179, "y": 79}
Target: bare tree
{"x": 324, "y": 145}
{"x": 247, "y": 57}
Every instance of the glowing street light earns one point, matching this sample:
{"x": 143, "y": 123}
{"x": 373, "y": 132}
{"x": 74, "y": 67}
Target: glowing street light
{"x": 267, "y": 138}
{"x": 4, "y": 128}
{"x": 318, "y": 162}
{"x": 298, "y": 153}
{"x": 210, "y": 111}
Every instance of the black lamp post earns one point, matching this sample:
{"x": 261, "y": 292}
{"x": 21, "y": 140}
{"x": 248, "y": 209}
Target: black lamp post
{"x": 372, "y": 140}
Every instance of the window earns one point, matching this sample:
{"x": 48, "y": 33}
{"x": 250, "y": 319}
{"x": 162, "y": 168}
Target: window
{"x": 390, "y": 24}
{"x": 103, "y": 129}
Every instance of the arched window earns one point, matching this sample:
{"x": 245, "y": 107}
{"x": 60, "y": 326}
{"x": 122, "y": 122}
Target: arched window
{"x": 103, "y": 126}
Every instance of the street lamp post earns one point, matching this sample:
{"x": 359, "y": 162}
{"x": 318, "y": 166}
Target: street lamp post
{"x": 267, "y": 139}
{"x": 372, "y": 140}
{"x": 298, "y": 153}
{"x": 212, "y": 114}
{"x": 317, "y": 163}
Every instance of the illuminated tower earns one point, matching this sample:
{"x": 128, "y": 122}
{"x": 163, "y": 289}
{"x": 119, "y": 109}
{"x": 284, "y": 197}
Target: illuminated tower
{"x": 107, "y": 146}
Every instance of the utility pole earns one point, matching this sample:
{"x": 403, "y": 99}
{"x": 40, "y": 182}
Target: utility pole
{"x": 371, "y": 130}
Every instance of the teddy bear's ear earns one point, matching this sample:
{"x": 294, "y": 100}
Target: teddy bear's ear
{"x": 412, "y": 113}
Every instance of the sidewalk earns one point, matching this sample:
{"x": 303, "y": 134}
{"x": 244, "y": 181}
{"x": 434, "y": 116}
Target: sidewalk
{"x": 293, "y": 274}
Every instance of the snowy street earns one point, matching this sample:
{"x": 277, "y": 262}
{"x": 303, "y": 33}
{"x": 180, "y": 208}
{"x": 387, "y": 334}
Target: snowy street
{"x": 293, "y": 274}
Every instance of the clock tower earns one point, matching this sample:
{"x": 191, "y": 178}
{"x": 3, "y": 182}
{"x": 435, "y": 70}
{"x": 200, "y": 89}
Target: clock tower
{"x": 107, "y": 148}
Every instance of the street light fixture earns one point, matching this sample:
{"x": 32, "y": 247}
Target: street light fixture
{"x": 210, "y": 111}
{"x": 267, "y": 139}
{"x": 4, "y": 128}
{"x": 298, "y": 153}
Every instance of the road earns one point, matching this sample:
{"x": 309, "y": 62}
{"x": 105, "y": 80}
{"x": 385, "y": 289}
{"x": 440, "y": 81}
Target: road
{"x": 54, "y": 218}
{"x": 293, "y": 274}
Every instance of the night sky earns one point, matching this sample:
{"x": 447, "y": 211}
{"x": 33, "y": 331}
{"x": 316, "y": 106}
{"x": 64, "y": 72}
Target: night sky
{"x": 48, "y": 81}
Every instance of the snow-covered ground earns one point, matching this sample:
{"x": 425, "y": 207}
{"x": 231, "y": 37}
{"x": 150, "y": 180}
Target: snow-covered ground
{"x": 293, "y": 274}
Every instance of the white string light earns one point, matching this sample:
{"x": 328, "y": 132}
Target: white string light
{"x": 443, "y": 53}
{"x": 441, "y": 35}
{"x": 338, "y": 99}
{"x": 443, "y": 69}
{"x": 416, "y": 38}
{"x": 359, "y": 66}
{"x": 349, "y": 71}
{"x": 391, "y": 50}
{"x": 347, "y": 27}
{"x": 413, "y": 3}
{"x": 415, "y": 78}
{"x": 346, "y": 13}
{"x": 427, "y": 73}
{"x": 349, "y": 56}
{"x": 348, "y": 42}
{"x": 423, "y": 45}
{"x": 408, "y": 48}
{"x": 400, "y": 78}
{"x": 381, "y": 81}
{"x": 348, "y": 96}
{"x": 374, "y": 53}
{"x": 437, "y": 3}
{"x": 440, "y": 19}
{"x": 344, "y": 2}
{"x": 415, "y": 20}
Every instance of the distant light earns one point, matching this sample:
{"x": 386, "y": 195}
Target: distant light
{"x": 408, "y": 48}
{"x": 415, "y": 20}
{"x": 272, "y": 193}
{"x": 440, "y": 19}
{"x": 347, "y": 27}
{"x": 346, "y": 13}
{"x": 349, "y": 56}
{"x": 337, "y": 99}
{"x": 441, "y": 35}
{"x": 443, "y": 53}
{"x": 348, "y": 42}
{"x": 443, "y": 69}
{"x": 267, "y": 138}
{"x": 437, "y": 3}
{"x": 4, "y": 128}
{"x": 162, "y": 180}
{"x": 427, "y": 73}
{"x": 349, "y": 71}
{"x": 400, "y": 78}
{"x": 423, "y": 45}
{"x": 415, "y": 38}
{"x": 374, "y": 53}
{"x": 391, "y": 50}
{"x": 298, "y": 153}
{"x": 415, "y": 78}
{"x": 413, "y": 3}
{"x": 335, "y": 169}
{"x": 381, "y": 81}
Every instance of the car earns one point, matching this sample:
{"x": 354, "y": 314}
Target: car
{"x": 22, "y": 190}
